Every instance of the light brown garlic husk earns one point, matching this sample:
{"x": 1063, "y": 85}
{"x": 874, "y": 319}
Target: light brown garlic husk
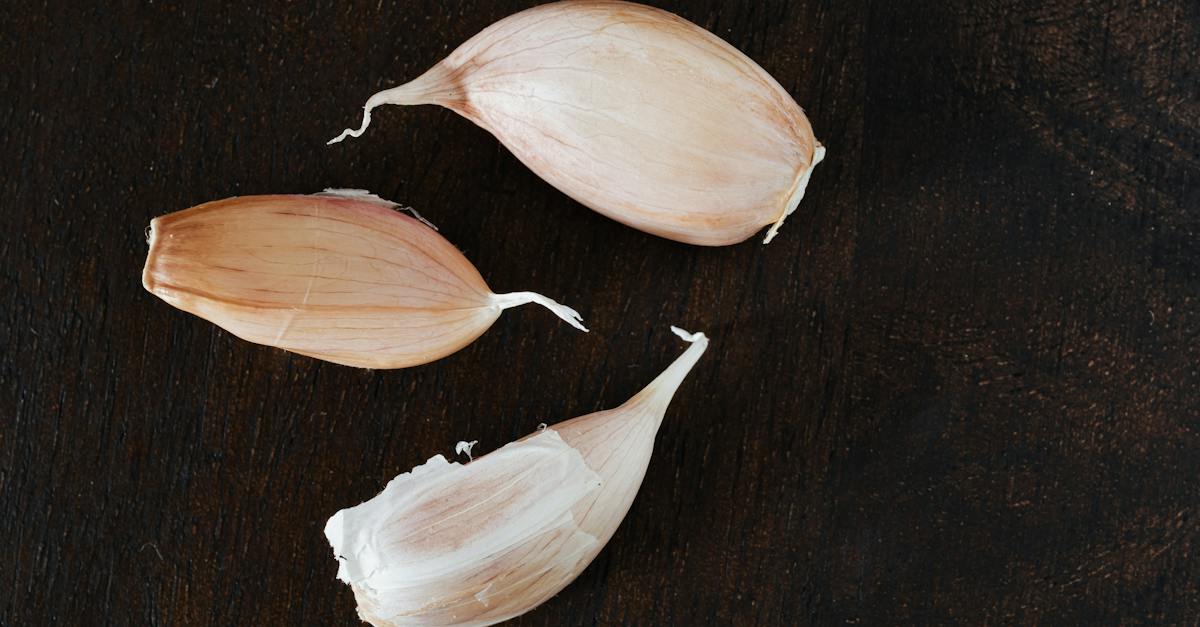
{"x": 340, "y": 276}
{"x": 482, "y": 542}
{"x": 633, "y": 112}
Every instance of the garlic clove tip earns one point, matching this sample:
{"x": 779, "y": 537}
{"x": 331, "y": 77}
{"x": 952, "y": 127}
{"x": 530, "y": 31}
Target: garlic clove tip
{"x": 690, "y": 337}
{"x": 798, "y": 194}
{"x": 514, "y": 299}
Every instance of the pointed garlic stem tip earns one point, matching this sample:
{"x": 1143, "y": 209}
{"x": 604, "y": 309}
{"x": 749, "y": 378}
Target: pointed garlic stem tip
{"x": 798, "y": 194}
{"x": 366, "y": 121}
{"x": 689, "y": 337}
{"x": 513, "y": 299}
{"x": 662, "y": 388}
{"x": 406, "y": 94}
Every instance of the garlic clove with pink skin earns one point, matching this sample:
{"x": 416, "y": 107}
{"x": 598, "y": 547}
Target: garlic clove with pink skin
{"x": 634, "y": 112}
{"x": 479, "y": 543}
{"x": 340, "y": 276}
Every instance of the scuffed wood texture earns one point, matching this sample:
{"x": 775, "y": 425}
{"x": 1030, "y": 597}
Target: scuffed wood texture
{"x": 962, "y": 385}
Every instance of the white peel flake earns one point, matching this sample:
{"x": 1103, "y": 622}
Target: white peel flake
{"x": 357, "y": 194}
{"x": 464, "y": 448}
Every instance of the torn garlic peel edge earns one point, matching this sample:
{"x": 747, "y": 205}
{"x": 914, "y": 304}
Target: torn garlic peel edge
{"x": 542, "y": 477}
{"x": 357, "y": 194}
{"x": 606, "y": 80}
{"x": 366, "y": 196}
{"x": 580, "y": 523}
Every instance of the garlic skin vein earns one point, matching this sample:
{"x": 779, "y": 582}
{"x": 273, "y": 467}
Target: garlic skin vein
{"x": 634, "y": 112}
{"x": 483, "y": 542}
{"x": 340, "y": 276}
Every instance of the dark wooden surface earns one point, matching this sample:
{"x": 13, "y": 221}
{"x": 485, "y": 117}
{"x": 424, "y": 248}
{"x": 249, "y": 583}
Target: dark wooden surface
{"x": 962, "y": 385}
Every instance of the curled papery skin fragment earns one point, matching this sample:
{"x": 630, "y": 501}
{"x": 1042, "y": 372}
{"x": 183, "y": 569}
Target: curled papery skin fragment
{"x": 476, "y": 544}
{"x": 634, "y": 112}
{"x": 340, "y": 276}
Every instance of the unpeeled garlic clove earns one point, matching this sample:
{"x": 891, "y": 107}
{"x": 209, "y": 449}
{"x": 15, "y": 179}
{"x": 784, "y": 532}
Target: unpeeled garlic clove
{"x": 340, "y": 276}
{"x": 633, "y": 112}
{"x": 477, "y": 544}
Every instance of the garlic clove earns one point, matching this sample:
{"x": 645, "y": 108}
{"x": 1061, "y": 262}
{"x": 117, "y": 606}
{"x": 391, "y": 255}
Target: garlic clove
{"x": 633, "y": 112}
{"x": 339, "y": 276}
{"x": 480, "y": 543}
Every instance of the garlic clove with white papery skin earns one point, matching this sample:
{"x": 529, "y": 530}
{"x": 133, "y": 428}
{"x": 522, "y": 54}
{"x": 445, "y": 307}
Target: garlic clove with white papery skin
{"x": 634, "y": 112}
{"x": 477, "y": 544}
{"x": 340, "y": 276}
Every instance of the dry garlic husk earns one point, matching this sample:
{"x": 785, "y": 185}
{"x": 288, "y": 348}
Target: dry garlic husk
{"x": 634, "y": 112}
{"x": 340, "y": 276}
{"x": 476, "y": 544}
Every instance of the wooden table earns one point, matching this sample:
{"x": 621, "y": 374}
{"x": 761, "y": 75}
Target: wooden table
{"x": 963, "y": 385}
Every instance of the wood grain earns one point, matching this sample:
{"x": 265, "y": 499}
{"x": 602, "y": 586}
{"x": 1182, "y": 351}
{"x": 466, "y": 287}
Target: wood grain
{"x": 962, "y": 385}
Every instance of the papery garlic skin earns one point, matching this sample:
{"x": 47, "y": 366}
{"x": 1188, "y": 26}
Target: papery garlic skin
{"x": 633, "y": 112}
{"x": 444, "y": 543}
{"x": 340, "y": 276}
{"x": 477, "y": 544}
